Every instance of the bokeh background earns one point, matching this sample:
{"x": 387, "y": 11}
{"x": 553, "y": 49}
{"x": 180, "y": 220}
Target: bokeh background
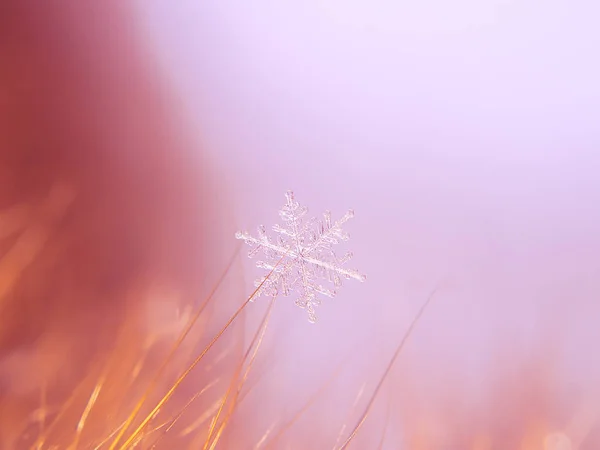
{"x": 464, "y": 134}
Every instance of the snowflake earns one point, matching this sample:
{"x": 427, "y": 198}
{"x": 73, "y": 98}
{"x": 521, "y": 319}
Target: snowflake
{"x": 301, "y": 255}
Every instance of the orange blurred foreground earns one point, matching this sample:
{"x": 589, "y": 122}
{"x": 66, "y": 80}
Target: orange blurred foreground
{"x": 109, "y": 225}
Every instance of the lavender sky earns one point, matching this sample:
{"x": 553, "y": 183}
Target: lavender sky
{"x": 464, "y": 134}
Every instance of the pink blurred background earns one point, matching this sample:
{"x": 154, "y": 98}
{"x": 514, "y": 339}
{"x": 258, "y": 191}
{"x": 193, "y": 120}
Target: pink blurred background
{"x": 465, "y": 135}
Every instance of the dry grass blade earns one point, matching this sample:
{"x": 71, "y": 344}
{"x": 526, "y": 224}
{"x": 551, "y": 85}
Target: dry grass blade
{"x": 191, "y": 367}
{"x": 195, "y": 425}
{"x": 304, "y": 408}
{"x": 171, "y": 422}
{"x": 264, "y": 437}
{"x": 109, "y": 437}
{"x": 255, "y": 345}
{"x": 86, "y": 412}
{"x": 43, "y": 410}
{"x": 41, "y": 439}
{"x": 386, "y": 424}
{"x": 176, "y": 345}
{"x": 388, "y": 369}
{"x": 361, "y": 391}
{"x": 250, "y": 385}
{"x": 253, "y": 348}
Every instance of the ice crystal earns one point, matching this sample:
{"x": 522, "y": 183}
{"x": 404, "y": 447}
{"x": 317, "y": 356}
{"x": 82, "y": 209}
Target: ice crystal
{"x": 300, "y": 255}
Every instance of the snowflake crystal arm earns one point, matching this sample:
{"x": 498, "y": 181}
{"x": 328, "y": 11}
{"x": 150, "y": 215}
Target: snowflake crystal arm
{"x": 301, "y": 255}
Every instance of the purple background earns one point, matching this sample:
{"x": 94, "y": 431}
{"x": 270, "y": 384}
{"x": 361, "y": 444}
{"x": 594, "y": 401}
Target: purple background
{"x": 465, "y": 135}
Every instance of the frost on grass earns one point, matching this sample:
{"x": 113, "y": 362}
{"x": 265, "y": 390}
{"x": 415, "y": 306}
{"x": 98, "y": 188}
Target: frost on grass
{"x": 300, "y": 256}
